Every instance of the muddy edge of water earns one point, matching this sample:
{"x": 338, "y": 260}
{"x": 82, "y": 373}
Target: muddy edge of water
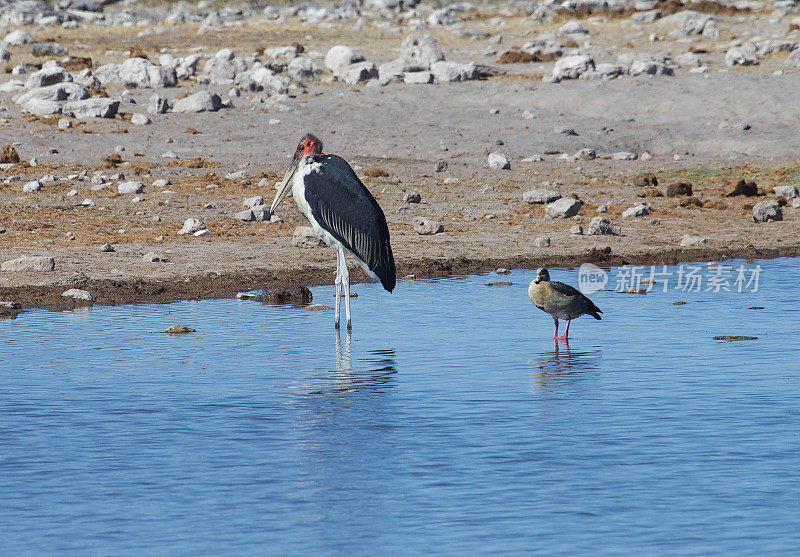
{"x": 287, "y": 286}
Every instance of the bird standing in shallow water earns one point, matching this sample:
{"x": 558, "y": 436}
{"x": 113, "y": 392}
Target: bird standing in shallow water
{"x": 342, "y": 212}
{"x": 560, "y": 300}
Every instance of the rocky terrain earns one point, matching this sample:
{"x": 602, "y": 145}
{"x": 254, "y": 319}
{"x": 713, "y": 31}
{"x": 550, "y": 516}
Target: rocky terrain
{"x": 143, "y": 142}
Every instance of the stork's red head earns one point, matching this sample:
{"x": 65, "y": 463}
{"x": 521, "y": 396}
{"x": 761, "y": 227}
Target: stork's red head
{"x": 310, "y": 145}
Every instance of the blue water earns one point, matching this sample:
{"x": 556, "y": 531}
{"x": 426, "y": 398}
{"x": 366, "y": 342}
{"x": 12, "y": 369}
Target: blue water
{"x": 450, "y": 423}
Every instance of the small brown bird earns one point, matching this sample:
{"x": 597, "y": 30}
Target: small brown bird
{"x": 560, "y": 300}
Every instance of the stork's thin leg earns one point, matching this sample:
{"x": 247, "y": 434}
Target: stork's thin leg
{"x": 346, "y": 281}
{"x": 555, "y": 333}
{"x": 338, "y": 283}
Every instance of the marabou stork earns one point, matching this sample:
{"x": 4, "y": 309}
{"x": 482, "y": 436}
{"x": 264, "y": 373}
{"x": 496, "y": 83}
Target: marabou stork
{"x": 342, "y": 212}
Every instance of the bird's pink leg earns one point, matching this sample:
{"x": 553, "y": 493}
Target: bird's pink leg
{"x": 555, "y": 333}
{"x": 566, "y": 331}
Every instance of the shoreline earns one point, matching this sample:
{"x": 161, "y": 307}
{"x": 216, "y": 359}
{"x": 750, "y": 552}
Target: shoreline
{"x": 285, "y": 286}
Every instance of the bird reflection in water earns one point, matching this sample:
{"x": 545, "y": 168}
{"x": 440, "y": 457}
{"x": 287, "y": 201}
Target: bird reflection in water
{"x": 381, "y": 367}
{"x": 563, "y": 366}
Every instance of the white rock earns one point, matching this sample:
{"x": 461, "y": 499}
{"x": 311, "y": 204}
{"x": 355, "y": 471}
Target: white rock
{"x": 139, "y": 120}
{"x": 130, "y": 187}
{"x": 356, "y": 73}
{"x": 498, "y": 161}
{"x": 453, "y": 71}
{"x": 542, "y": 242}
{"x": 340, "y": 56}
{"x": 638, "y": 210}
{"x": 41, "y": 264}
{"x": 623, "y": 156}
{"x": 64, "y": 124}
{"x": 767, "y": 210}
{"x": 563, "y": 208}
{"x": 157, "y": 104}
{"x": 692, "y": 241}
{"x": 31, "y": 187}
{"x": 40, "y": 107}
{"x": 78, "y": 294}
{"x": 251, "y": 202}
{"x": 745, "y": 55}
{"x": 426, "y": 227}
{"x": 191, "y": 225}
{"x": 571, "y": 67}
{"x": 302, "y": 68}
{"x": 153, "y": 257}
{"x": 418, "y": 78}
{"x": 419, "y": 52}
{"x": 202, "y": 101}
{"x": 645, "y": 66}
{"x": 793, "y": 60}
{"x": 540, "y": 196}
{"x": 603, "y": 227}
{"x": 18, "y": 38}
{"x": 573, "y": 28}
{"x": 788, "y": 192}
{"x": 95, "y": 107}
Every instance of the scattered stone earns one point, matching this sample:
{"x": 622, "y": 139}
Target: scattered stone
{"x": 540, "y": 196}
{"x": 339, "y": 57}
{"x": 767, "y": 210}
{"x": 649, "y": 67}
{"x": 639, "y": 210}
{"x": 191, "y": 225}
{"x": 563, "y": 208}
{"x": 318, "y": 307}
{"x": 572, "y": 67}
{"x": 417, "y": 78}
{"x": 603, "y": 227}
{"x": 677, "y": 189}
{"x": 502, "y": 271}
{"x": 95, "y": 107}
{"x": 498, "y": 161}
{"x": 37, "y": 263}
{"x": 107, "y": 248}
{"x": 689, "y": 241}
{"x": 180, "y": 330}
{"x": 745, "y": 55}
{"x": 742, "y": 187}
{"x": 202, "y": 101}
{"x": 32, "y": 187}
{"x": 541, "y": 242}
{"x": 441, "y": 166}
{"x": 157, "y": 104}
{"x": 77, "y": 294}
{"x": 734, "y": 338}
{"x": 18, "y": 38}
{"x": 602, "y": 209}
{"x": 563, "y": 131}
{"x": 420, "y": 52}
{"x": 500, "y": 283}
{"x": 573, "y": 28}
{"x": 153, "y": 257}
{"x": 452, "y": 71}
{"x": 427, "y": 227}
{"x": 64, "y": 124}
{"x": 789, "y": 192}
{"x": 251, "y": 202}
{"x": 356, "y": 73}
{"x": 130, "y": 187}
{"x": 623, "y": 156}
{"x": 412, "y": 197}
{"x": 238, "y": 175}
{"x": 576, "y": 230}
{"x": 305, "y": 237}
{"x": 139, "y": 120}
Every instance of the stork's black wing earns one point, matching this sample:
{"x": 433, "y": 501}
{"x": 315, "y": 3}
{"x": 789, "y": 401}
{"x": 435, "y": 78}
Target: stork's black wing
{"x": 345, "y": 208}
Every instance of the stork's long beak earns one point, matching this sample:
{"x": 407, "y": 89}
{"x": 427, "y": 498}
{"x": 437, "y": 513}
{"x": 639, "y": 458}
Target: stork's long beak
{"x": 285, "y": 186}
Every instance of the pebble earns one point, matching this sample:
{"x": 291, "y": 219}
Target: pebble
{"x": 498, "y": 161}
{"x": 692, "y": 241}
{"x": 412, "y": 197}
{"x": 139, "y": 120}
{"x": 767, "y": 210}
{"x": 639, "y": 210}
{"x": 251, "y": 202}
{"x": 130, "y": 187}
{"x": 191, "y": 225}
{"x": 161, "y": 183}
{"x": 32, "y": 187}
{"x": 540, "y": 196}
{"x": 603, "y": 227}
{"x": 107, "y": 248}
{"x": 318, "y": 307}
{"x": 426, "y": 227}
{"x": 502, "y": 271}
{"x": 789, "y": 192}
{"x": 78, "y": 294}
{"x": 64, "y": 124}
{"x": 563, "y": 208}
{"x": 576, "y": 230}
{"x": 153, "y": 257}
{"x": 441, "y": 166}
{"x": 541, "y": 242}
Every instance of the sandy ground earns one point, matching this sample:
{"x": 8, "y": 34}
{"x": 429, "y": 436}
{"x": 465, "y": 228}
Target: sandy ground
{"x": 694, "y": 125}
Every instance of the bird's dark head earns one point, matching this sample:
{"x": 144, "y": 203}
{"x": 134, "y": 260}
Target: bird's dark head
{"x": 542, "y": 275}
{"x": 310, "y": 145}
